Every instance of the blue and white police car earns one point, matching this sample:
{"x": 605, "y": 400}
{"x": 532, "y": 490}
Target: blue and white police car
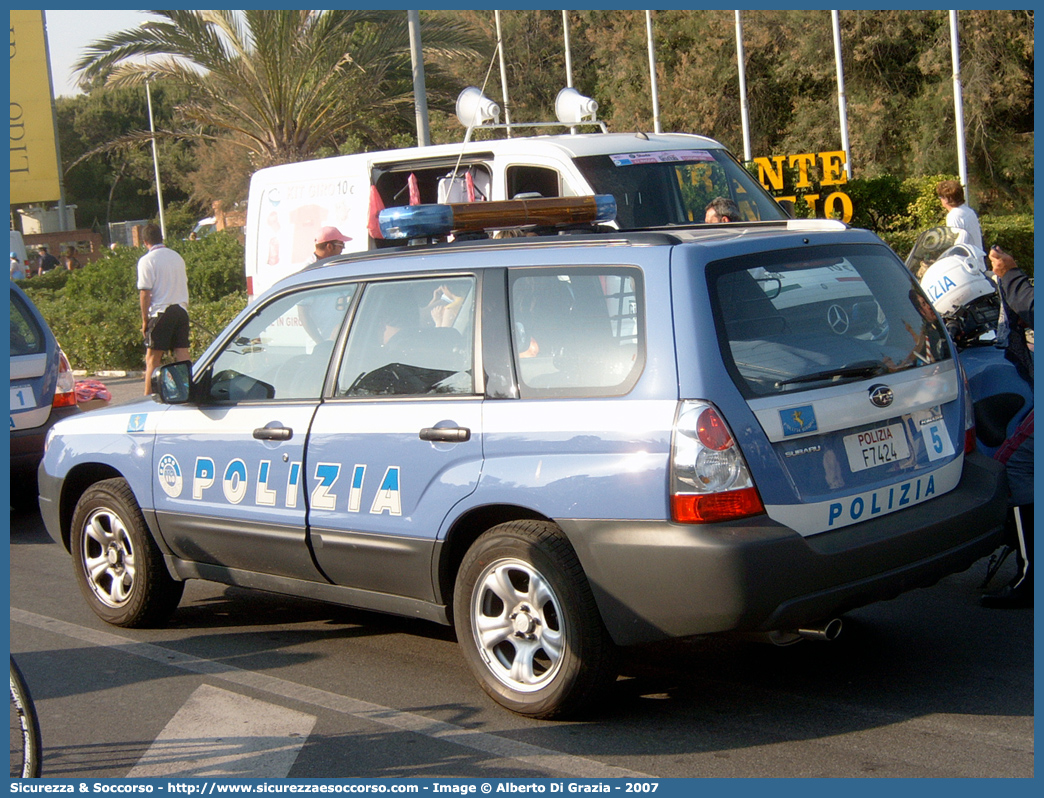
{"x": 560, "y": 443}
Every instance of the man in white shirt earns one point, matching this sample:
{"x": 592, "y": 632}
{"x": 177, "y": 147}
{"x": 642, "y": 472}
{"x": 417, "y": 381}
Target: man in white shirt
{"x": 959, "y": 215}
{"x": 163, "y": 296}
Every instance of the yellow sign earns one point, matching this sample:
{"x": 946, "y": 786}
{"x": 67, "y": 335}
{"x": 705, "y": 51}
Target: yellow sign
{"x": 770, "y": 173}
{"x": 34, "y": 154}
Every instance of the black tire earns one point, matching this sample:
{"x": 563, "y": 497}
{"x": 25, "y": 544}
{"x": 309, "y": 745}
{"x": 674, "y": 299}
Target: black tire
{"x": 118, "y": 565}
{"x": 25, "y": 729}
{"x": 25, "y": 498}
{"x": 528, "y": 624}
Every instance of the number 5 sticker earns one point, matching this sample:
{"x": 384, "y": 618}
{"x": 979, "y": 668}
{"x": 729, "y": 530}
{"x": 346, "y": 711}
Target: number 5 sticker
{"x": 937, "y": 442}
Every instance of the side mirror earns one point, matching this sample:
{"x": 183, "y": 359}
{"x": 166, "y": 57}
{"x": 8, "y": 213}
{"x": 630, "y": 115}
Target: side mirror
{"x": 172, "y": 382}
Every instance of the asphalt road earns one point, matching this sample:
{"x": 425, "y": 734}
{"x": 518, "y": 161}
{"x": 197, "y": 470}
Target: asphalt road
{"x": 247, "y": 684}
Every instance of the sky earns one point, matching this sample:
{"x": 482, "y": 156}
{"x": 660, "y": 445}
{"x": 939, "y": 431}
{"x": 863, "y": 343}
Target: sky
{"x": 69, "y": 32}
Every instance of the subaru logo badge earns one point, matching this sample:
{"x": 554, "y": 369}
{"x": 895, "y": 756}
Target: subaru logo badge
{"x": 881, "y": 395}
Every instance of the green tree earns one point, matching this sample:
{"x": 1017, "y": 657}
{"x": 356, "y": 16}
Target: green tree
{"x": 109, "y": 184}
{"x": 281, "y": 84}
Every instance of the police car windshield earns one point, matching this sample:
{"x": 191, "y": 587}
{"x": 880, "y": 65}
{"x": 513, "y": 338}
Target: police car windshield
{"x": 794, "y": 321}
{"x": 673, "y": 187}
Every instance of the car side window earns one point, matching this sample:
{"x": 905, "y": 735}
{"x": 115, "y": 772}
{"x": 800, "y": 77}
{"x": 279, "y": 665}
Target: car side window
{"x": 411, "y": 338}
{"x": 577, "y": 331}
{"x": 284, "y": 350}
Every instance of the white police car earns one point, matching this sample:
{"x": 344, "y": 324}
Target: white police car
{"x": 560, "y": 444}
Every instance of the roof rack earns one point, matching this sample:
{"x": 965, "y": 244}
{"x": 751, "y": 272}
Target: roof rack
{"x": 426, "y": 221}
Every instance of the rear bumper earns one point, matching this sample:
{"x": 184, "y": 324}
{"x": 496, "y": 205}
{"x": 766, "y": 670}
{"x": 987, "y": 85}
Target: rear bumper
{"x": 27, "y": 445}
{"x": 655, "y": 580}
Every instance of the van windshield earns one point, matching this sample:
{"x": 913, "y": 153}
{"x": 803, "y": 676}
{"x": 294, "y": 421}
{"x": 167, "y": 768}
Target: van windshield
{"x": 673, "y": 187}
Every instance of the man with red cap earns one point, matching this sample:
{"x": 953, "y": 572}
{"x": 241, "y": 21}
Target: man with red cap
{"x": 330, "y": 241}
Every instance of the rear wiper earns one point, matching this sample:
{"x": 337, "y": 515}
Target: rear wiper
{"x": 864, "y": 368}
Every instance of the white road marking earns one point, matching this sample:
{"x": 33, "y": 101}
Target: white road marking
{"x": 535, "y": 756}
{"x": 220, "y": 733}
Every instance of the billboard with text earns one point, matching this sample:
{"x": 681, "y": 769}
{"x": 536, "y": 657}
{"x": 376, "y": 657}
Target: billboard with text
{"x": 34, "y": 159}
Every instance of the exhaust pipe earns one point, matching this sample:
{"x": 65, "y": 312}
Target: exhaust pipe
{"x": 824, "y": 631}
{"x": 827, "y": 630}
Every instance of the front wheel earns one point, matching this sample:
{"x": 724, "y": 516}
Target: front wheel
{"x": 25, "y": 729}
{"x": 118, "y": 565}
{"x": 527, "y": 621}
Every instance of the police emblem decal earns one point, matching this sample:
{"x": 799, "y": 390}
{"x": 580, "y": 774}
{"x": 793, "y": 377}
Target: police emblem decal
{"x": 170, "y": 478}
{"x": 798, "y": 420}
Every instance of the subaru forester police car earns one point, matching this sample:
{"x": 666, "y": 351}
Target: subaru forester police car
{"x": 561, "y": 443}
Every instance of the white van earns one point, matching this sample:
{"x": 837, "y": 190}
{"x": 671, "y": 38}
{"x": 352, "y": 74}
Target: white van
{"x": 656, "y": 179}
{"x": 18, "y": 248}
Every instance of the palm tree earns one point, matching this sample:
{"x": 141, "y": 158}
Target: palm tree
{"x": 283, "y": 83}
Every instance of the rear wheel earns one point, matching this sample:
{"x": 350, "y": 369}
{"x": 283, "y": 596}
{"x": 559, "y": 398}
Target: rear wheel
{"x": 118, "y": 565}
{"x": 527, "y": 621}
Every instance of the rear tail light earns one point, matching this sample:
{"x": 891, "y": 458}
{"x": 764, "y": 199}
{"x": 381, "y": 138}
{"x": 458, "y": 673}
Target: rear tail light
{"x": 969, "y": 414}
{"x": 710, "y": 480}
{"x": 65, "y": 389}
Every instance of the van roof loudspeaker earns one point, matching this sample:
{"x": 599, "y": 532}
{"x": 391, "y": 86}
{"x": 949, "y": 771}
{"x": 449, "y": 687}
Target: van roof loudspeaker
{"x": 572, "y": 108}
{"x": 474, "y": 108}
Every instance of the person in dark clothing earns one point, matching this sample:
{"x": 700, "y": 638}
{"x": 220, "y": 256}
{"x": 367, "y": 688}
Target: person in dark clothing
{"x": 1016, "y": 293}
{"x": 46, "y": 262}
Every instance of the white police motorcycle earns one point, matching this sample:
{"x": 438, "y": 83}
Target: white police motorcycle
{"x": 953, "y": 275}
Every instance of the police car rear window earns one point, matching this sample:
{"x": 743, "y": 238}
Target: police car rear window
{"x": 806, "y": 319}
{"x": 577, "y": 331}
{"x": 26, "y": 336}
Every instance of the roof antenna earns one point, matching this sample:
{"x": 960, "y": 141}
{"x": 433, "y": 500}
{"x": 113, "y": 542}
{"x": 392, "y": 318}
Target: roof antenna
{"x": 641, "y": 135}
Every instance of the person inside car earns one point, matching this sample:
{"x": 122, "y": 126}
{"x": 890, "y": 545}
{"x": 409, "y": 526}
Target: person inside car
{"x": 721, "y": 210}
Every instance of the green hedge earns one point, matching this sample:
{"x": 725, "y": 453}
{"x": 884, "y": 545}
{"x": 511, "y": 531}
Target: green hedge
{"x": 1013, "y": 234}
{"x": 94, "y": 311}
{"x": 899, "y": 211}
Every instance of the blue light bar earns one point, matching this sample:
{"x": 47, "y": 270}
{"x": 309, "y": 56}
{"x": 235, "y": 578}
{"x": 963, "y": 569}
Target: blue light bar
{"x": 416, "y": 221}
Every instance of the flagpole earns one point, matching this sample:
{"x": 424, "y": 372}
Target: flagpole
{"x": 742, "y": 68}
{"x": 842, "y": 107}
{"x": 503, "y": 75}
{"x": 568, "y": 55}
{"x": 155, "y": 157}
{"x": 652, "y": 73}
{"x": 420, "y": 94}
{"x": 958, "y": 107}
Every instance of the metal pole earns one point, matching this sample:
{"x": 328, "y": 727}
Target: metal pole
{"x": 155, "y": 159}
{"x": 62, "y": 213}
{"x": 652, "y": 73}
{"x": 568, "y": 56}
{"x": 503, "y": 75}
{"x": 842, "y": 108}
{"x": 958, "y": 107}
{"x": 744, "y": 110}
{"x": 568, "y": 53}
{"x": 420, "y": 94}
